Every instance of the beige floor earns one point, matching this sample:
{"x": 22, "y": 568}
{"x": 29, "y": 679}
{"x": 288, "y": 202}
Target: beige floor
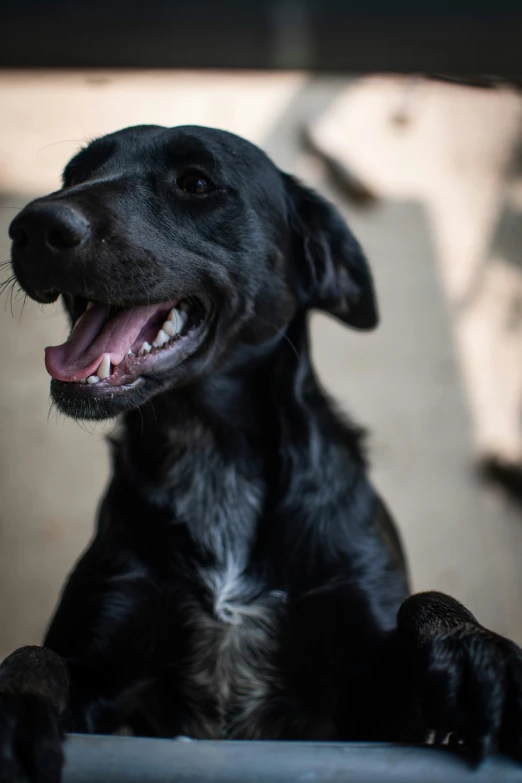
{"x": 403, "y": 381}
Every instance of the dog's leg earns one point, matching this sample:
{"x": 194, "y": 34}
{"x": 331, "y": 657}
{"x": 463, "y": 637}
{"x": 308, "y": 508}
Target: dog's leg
{"x": 98, "y": 634}
{"x": 90, "y": 677}
{"x": 466, "y": 680}
{"x": 335, "y": 668}
{"x": 438, "y": 673}
{"x": 34, "y": 687}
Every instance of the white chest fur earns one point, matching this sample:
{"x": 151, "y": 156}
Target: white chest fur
{"x": 229, "y": 668}
{"x": 230, "y": 665}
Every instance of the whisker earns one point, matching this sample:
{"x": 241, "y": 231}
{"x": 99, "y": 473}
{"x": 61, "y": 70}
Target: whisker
{"x": 284, "y": 336}
{"x": 7, "y": 288}
{"x": 83, "y": 425}
{"x": 141, "y": 416}
{"x": 10, "y": 280}
{"x": 23, "y": 307}
{"x": 292, "y": 346}
{"x": 11, "y": 294}
{"x": 56, "y": 143}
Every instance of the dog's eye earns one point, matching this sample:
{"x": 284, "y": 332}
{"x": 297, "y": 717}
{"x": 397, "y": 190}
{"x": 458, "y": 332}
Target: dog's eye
{"x": 191, "y": 182}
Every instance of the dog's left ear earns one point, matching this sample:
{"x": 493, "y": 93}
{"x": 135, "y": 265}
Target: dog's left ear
{"x": 332, "y": 272}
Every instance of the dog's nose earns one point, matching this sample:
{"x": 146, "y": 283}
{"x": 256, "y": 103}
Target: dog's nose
{"x": 55, "y": 227}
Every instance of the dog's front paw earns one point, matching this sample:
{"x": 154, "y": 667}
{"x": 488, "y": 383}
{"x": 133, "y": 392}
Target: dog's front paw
{"x": 31, "y": 740}
{"x": 471, "y": 689}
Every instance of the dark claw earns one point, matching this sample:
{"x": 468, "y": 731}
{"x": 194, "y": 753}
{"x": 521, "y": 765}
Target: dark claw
{"x": 440, "y": 736}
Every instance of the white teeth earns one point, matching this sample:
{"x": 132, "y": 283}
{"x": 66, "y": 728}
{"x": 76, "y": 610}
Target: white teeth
{"x": 129, "y": 353}
{"x": 89, "y": 305}
{"x": 169, "y": 328}
{"x": 161, "y": 339}
{"x": 93, "y": 379}
{"x": 178, "y": 318}
{"x": 104, "y": 370}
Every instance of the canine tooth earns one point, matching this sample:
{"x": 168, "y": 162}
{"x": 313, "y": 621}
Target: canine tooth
{"x": 104, "y": 370}
{"x": 93, "y": 379}
{"x": 145, "y": 348}
{"x": 178, "y": 319}
{"x": 161, "y": 339}
{"x": 89, "y": 305}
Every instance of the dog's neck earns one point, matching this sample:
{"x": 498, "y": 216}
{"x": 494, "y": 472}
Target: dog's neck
{"x": 232, "y": 411}
{"x": 224, "y": 413}
{"x": 227, "y": 441}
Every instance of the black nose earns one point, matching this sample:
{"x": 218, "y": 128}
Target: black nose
{"x": 56, "y": 227}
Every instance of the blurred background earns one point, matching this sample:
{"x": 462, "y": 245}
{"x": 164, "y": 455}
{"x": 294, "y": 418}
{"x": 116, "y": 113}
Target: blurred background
{"x": 429, "y": 176}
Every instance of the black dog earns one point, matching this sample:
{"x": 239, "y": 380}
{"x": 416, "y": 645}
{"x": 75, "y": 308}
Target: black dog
{"x": 245, "y": 580}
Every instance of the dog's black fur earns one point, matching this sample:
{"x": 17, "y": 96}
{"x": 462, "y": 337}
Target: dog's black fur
{"x": 245, "y": 579}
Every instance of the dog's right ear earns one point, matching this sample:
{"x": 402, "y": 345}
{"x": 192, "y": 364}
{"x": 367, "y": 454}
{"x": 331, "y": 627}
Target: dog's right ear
{"x": 332, "y": 272}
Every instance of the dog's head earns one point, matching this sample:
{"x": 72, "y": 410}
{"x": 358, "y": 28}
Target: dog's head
{"x": 178, "y": 252}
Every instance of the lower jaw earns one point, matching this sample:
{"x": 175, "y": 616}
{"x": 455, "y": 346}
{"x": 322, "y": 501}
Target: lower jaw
{"x": 102, "y": 390}
{"x": 104, "y": 402}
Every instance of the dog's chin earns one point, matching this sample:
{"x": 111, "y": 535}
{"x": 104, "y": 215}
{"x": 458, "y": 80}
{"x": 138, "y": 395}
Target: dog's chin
{"x": 94, "y": 405}
{"x": 84, "y": 403}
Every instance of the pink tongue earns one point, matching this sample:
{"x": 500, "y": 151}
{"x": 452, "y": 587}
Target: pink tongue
{"x": 93, "y": 335}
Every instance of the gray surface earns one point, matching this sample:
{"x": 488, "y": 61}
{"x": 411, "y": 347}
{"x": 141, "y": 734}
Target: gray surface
{"x": 136, "y": 760}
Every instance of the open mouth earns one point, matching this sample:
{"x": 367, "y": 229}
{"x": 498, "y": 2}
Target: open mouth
{"x": 110, "y": 347}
